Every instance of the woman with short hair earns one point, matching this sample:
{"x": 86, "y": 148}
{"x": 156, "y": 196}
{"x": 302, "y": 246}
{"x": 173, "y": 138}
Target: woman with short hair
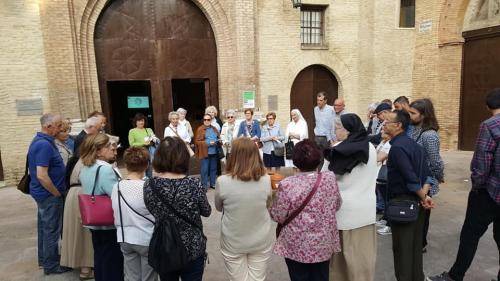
{"x": 228, "y": 132}
{"x": 310, "y": 238}
{"x": 207, "y": 140}
{"x": 140, "y": 135}
{"x": 61, "y": 141}
{"x": 212, "y": 111}
{"x": 249, "y": 127}
{"x": 246, "y": 231}
{"x": 184, "y": 122}
{"x": 172, "y": 188}
{"x": 96, "y": 152}
{"x": 174, "y": 129}
{"x": 271, "y": 137}
{"x": 354, "y": 162}
{"x": 133, "y": 222}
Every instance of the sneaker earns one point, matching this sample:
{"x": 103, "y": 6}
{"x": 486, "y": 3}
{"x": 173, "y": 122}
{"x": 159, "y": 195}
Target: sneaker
{"x": 441, "y": 277}
{"x": 58, "y": 270}
{"x": 381, "y": 223}
{"x": 386, "y": 230}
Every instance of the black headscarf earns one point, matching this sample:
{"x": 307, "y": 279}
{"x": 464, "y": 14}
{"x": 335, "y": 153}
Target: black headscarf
{"x": 353, "y": 150}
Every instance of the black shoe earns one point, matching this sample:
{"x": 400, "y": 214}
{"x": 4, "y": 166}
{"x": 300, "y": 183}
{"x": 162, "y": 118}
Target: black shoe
{"x": 441, "y": 277}
{"x": 58, "y": 270}
{"x": 212, "y": 187}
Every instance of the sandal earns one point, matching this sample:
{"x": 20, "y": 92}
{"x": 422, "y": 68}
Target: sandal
{"x": 87, "y": 276}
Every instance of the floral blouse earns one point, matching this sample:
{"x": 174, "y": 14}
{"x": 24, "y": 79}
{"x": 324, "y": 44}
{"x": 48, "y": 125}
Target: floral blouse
{"x": 188, "y": 198}
{"x": 312, "y": 236}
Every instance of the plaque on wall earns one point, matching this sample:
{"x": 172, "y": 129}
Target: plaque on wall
{"x": 27, "y": 107}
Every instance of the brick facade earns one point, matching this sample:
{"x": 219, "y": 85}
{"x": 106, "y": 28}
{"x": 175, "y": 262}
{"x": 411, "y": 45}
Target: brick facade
{"x": 48, "y": 52}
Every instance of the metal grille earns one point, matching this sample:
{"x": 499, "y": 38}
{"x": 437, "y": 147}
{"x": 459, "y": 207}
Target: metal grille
{"x": 311, "y": 26}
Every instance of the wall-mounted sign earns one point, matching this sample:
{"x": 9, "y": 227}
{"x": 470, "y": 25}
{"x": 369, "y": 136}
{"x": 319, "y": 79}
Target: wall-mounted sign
{"x": 425, "y": 26}
{"x": 248, "y": 99}
{"x": 137, "y": 102}
{"x": 27, "y": 107}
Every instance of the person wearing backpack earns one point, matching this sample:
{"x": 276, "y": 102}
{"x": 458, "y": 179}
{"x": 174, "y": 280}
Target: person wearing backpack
{"x": 134, "y": 223}
{"x": 177, "y": 203}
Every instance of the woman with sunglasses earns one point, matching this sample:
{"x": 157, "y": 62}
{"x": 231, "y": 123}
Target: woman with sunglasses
{"x": 228, "y": 132}
{"x": 207, "y": 139}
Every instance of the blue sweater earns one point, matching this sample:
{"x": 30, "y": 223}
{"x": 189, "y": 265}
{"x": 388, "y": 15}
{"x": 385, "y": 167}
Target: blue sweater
{"x": 254, "y": 131}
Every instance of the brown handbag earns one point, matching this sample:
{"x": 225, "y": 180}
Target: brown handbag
{"x": 297, "y": 212}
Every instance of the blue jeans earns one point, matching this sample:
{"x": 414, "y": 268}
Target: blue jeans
{"x": 209, "y": 170}
{"x": 50, "y": 211}
{"x": 192, "y": 272}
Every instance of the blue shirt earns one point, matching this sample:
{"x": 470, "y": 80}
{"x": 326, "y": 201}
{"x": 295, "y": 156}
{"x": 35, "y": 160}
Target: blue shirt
{"x": 267, "y": 133}
{"x": 325, "y": 120}
{"x": 211, "y": 136}
{"x": 43, "y": 152}
{"x": 254, "y": 130}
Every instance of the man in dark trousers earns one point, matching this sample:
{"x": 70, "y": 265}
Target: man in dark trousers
{"x": 406, "y": 178}
{"x": 483, "y": 205}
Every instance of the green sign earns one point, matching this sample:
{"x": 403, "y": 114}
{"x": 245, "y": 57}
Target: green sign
{"x": 248, "y": 99}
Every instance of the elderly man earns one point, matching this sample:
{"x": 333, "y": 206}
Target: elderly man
{"x": 324, "y": 115}
{"x": 483, "y": 205}
{"x": 339, "y": 106}
{"x": 381, "y": 111}
{"x": 47, "y": 172}
{"x": 93, "y": 126}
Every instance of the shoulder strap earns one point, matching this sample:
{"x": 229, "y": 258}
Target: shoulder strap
{"x": 306, "y": 201}
{"x": 175, "y": 132}
{"x": 120, "y": 198}
{"x": 181, "y": 216}
{"x": 147, "y": 132}
{"x": 420, "y": 134}
{"x": 95, "y": 180}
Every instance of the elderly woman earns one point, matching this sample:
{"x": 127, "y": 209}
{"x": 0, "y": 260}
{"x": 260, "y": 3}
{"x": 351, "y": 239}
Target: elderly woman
{"x": 142, "y": 136}
{"x": 171, "y": 189}
{"x": 207, "y": 140}
{"x": 354, "y": 162}
{"x": 295, "y": 131}
{"x": 184, "y": 122}
{"x": 271, "y": 138}
{"x": 242, "y": 195}
{"x": 305, "y": 210}
{"x": 96, "y": 153}
{"x": 228, "y": 132}
{"x": 212, "y": 111}
{"x": 249, "y": 127}
{"x": 61, "y": 141}
{"x": 174, "y": 129}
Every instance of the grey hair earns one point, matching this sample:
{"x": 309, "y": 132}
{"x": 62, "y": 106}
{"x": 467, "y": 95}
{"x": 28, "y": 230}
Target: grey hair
{"x": 172, "y": 114}
{"x": 230, "y": 111}
{"x": 373, "y": 106}
{"x": 211, "y": 109}
{"x": 181, "y": 110}
{"x": 91, "y": 122}
{"x": 48, "y": 119}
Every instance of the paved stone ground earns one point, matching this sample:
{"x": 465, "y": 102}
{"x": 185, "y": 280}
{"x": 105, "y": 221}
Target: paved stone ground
{"x": 18, "y": 236}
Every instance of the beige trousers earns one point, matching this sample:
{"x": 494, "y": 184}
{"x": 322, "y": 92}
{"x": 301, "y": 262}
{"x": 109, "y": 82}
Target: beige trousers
{"x": 356, "y": 262}
{"x": 247, "y": 266}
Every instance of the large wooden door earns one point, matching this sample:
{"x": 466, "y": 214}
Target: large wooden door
{"x": 310, "y": 81}
{"x": 156, "y": 41}
{"x": 480, "y": 75}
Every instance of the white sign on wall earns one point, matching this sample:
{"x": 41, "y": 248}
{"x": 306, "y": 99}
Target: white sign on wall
{"x": 425, "y": 26}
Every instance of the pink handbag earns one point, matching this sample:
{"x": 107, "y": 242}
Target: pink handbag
{"x": 96, "y": 210}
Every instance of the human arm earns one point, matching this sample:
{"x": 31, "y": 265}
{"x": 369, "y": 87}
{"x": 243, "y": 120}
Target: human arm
{"x": 405, "y": 168}
{"x": 431, "y": 144}
{"x": 218, "y": 201}
{"x": 482, "y": 159}
{"x": 203, "y": 204}
{"x": 281, "y": 205}
{"x": 42, "y": 174}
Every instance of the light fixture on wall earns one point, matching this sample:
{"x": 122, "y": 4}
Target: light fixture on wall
{"x": 296, "y": 3}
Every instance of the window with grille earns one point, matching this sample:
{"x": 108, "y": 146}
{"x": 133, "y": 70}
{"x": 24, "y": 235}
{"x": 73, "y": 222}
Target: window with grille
{"x": 407, "y": 13}
{"x": 312, "y": 25}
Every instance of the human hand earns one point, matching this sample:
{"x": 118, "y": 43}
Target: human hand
{"x": 427, "y": 203}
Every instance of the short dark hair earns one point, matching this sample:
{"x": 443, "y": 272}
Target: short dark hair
{"x": 388, "y": 101}
{"x": 136, "y": 159}
{"x": 426, "y": 108}
{"x": 248, "y": 109}
{"x": 322, "y": 94}
{"x": 402, "y": 117}
{"x": 171, "y": 156}
{"x": 402, "y": 99}
{"x": 493, "y": 99}
{"x": 306, "y": 155}
{"x": 95, "y": 113}
{"x": 138, "y": 117}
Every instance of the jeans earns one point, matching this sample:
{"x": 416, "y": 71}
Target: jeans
{"x": 307, "y": 271}
{"x": 209, "y": 170}
{"x": 481, "y": 212}
{"x": 108, "y": 258}
{"x": 192, "y": 272}
{"x": 50, "y": 212}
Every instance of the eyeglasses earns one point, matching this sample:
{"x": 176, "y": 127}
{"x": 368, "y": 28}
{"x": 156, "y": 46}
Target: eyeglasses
{"x": 229, "y": 117}
{"x": 270, "y": 118}
{"x": 207, "y": 119}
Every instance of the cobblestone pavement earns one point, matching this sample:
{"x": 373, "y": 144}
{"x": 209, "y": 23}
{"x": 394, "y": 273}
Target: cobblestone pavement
{"x": 18, "y": 236}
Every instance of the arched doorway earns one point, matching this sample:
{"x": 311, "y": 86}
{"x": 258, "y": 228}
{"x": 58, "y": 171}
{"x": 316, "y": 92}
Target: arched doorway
{"x": 310, "y": 81}
{"x": 154, "y": 56}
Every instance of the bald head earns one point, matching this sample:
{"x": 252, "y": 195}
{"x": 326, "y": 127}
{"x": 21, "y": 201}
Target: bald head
{"x": 339, "y": 105}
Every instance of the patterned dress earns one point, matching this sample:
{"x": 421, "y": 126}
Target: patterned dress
{"x": 189, "y": 199}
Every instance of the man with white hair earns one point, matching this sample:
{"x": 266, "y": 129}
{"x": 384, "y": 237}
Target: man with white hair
{"x": 47, "y": 171}
{"x": 93, "y": 126}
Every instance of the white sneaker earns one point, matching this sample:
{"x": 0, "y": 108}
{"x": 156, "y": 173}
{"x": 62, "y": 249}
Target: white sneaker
{"x": 381, "y": 223}
{"x": 386, "y": 230}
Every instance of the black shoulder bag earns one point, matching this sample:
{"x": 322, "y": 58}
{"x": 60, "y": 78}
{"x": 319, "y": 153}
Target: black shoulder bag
{"x": 167, "y": 252}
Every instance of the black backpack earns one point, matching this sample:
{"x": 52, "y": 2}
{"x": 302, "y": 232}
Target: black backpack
{"x": 167, "y": 252}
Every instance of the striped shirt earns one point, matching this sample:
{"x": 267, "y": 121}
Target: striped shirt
{"x": 485, "y": 164}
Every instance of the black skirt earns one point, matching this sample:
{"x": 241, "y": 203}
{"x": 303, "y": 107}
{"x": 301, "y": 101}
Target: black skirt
{"x": 271, "y": 160}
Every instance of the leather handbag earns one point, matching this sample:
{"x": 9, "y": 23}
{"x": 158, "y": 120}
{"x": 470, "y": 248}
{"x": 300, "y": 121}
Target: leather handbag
{"x": 289, "y": 149}
{"x": 297, "y": 212}
{"x": 220, "y": 152}
{"x": 24, "y": 183}
{"x": 278, "y": 147}
{"x": 96, "y": 210}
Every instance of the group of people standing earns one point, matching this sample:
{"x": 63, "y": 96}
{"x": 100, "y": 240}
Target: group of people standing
{"x": 326, "y": 214}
